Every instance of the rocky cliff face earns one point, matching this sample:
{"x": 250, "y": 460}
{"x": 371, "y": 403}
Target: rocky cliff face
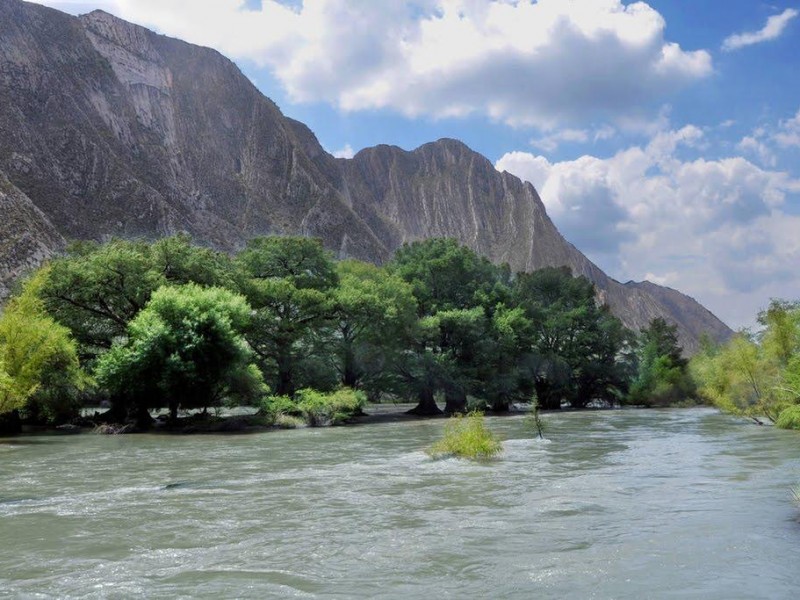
{"x": 107, "y": 129}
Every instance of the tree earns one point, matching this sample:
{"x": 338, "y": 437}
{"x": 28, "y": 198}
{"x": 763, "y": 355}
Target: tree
{"x": 738, "y": 379}
{"x": 183, "y": 350}
{"x": 457, "y": 292}
{"x": 288, "y": 282}
{"x": 575, "y": 345}
{"x": 374, "y": 315}
{"x": 39, "y": 370}
{"x": 781, "y": 335}
{"x": 446, "y": 275}
{"x": 663, "y": 376}
{"x": 97, "y": 289}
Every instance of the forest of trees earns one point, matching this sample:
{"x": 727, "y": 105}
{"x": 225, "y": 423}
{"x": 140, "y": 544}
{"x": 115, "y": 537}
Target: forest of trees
{"x": 170, "y": 325}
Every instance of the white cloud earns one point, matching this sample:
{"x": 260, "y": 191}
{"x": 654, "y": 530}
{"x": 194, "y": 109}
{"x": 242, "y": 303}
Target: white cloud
{"x": 775, "y": 26}
{"x": 523, "y": 62}
{"x": 346, "y": 152}
{"x": 789, "y": 132}
{"x": 720, "y": 230}
{"x": 751, "y": 144}
{"x": 552, "y": 141}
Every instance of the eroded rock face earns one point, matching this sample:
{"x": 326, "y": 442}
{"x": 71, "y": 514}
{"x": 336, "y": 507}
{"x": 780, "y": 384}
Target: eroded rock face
{"x": 107, "y": 129}
{"x": 27, "y": 238}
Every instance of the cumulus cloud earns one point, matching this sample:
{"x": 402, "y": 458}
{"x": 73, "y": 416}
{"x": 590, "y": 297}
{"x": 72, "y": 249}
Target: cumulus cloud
{"x": 523, "y": 62}
{"x": 788, "y": 133}
{"x": 712, "y": 228}
{"x": 774, "y": 28}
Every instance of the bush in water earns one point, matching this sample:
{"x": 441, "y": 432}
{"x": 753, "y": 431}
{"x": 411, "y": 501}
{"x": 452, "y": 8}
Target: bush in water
{"x": 466, "y": 437}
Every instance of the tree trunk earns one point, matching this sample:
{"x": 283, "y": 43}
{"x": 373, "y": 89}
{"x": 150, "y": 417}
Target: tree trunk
{"x": 547, "y": 400}
{"x": 427, "y": 405}
{"x": 285, "y": 375}
{"x": 350, "y": 375}
{"x": 455, "y": 402}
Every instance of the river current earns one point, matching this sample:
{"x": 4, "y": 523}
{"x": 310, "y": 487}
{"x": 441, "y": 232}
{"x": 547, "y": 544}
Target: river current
{"x": 614, "y": 504}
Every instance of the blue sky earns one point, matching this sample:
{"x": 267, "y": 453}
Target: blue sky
{"x": 663, "y": 136}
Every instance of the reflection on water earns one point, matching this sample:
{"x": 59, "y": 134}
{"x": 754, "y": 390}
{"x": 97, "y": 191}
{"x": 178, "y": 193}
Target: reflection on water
{"x": 622, "y": 504}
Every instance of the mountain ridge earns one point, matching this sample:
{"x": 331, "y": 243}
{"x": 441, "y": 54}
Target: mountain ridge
{"x": 111, "y": 130}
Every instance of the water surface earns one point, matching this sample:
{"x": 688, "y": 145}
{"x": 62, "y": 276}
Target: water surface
{"x": 619, "y": 504}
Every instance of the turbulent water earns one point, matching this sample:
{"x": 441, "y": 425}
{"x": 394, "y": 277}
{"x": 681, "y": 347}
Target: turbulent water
{"x": 620, "y": 504}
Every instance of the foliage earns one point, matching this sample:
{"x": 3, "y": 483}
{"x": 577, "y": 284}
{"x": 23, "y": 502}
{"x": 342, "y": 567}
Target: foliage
{"x": 789, "y": 418}
{"x": 97, "y": 289}
{"x": 663, "y": 377}
{"x": 438, "y": 321}
{"x": 284, "y": 421}
{"x": 184, "y": 349}
{"x": 299, "y": 260}
{"x": 374, "y": 317}
{"x": 287, "y": 282}
{"x": 740, "y": 379}
{"x": 39, "y": 370}
{"x": 466, "y": 436}
{"x": 446, "y": 275}
{"x": 318, "y": 409}
{"x": 575, "y": 345}
{"x": 330, "y": 409}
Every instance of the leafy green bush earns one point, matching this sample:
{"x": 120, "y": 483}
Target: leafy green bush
{"x": 317, "y": 409}
{"x": 789, "y": 418}
{"x": 320, "y": 410}
{"x": 466, "y": 437}
{"x": 284, "y": 421}
{"x": 280, "y": 405}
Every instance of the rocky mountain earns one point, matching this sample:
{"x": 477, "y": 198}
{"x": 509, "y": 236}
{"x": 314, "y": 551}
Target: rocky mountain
{"x": 108, "y": 129}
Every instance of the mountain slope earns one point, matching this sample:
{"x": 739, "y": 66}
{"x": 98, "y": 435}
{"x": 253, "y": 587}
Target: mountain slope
{"x": 108, "y": 129}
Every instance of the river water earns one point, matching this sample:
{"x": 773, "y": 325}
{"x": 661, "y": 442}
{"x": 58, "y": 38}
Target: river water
{"x": 616, "y": 504}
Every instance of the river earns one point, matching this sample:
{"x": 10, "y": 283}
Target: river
{"x": 615, "y": 504}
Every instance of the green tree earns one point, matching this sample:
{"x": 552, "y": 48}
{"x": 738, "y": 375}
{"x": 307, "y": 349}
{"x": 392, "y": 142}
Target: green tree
{"x": 289, "y": 283}
{"x": 97, "y": 289}
{"x": 374, "y": 316}
{"x": 738, "y": 379}
{"x": 39, "y": 371}
{"x": 663, "y": 377}
{"x": 575, "y": 345}
{"x": 183, "y": 350}
{"x": 446, "y": 275}
{"x": 457, "y": 292}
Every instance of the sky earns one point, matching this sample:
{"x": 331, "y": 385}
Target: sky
{"x": 663, "y": 136}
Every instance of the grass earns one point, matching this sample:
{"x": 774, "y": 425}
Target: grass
{"x": 466, "y": 437}
{"x": 284, "y": 421}
{"x": 789, "y": 418}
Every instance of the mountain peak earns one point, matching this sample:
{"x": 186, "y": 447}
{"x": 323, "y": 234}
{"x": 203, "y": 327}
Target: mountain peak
{"x": 108, "y": 129}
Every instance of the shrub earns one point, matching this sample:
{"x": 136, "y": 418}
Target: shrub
{"x": 280, "y": 405}
{"x": 789, "y": 418}
{"x": 320, "y": 410}
{"x": 466, "y": 437}
{"x": 317, "y": 409}
{"x": 284, "y": 421}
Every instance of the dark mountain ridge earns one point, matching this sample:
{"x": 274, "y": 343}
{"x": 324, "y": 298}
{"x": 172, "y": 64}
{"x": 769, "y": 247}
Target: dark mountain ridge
{"x": 108, "y": 129}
